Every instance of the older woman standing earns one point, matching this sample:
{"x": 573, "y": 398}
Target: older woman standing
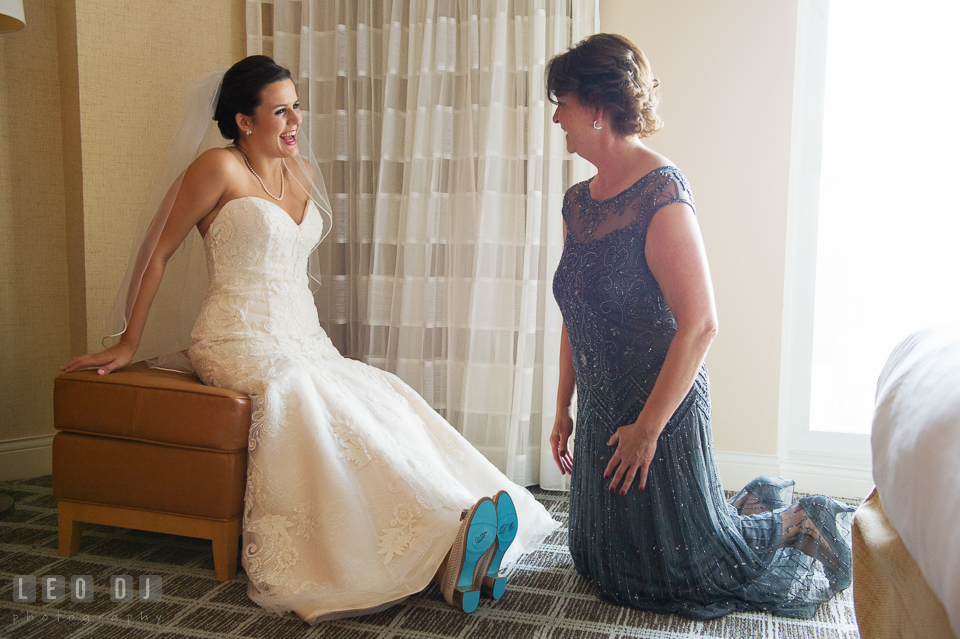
{"x": 649, "y": 524}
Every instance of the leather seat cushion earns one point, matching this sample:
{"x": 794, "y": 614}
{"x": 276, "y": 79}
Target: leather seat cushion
{"x": 148, "y": 405}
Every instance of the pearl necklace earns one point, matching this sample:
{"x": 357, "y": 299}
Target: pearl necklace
{"x": 257, "y": 175}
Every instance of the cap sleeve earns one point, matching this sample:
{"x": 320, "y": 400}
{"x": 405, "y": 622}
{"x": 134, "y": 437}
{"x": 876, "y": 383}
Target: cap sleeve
{"x": 669, "y": 187}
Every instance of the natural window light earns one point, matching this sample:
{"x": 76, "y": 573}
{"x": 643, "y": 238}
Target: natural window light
{"x": 888, "y": 235}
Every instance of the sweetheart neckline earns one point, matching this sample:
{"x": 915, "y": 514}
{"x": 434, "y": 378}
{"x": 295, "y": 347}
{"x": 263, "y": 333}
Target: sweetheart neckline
{"x": 306, "y": 209}
{"x": 303, "y": 216}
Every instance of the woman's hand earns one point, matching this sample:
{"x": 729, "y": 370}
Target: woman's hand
{"x": 636, "y": 445}
{"x": 109, "y": 360}
{"x": 562, "y": 429}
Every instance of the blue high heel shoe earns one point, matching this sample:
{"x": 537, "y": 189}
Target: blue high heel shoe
{"x": 827, "y": 515}
{"x": 773, "y": 492}
{"x": 494, "y": 583}
{"x": 465, "y": 566}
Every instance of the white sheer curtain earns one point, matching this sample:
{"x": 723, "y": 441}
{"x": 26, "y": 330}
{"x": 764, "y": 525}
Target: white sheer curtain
{"x": 446, "y": 175}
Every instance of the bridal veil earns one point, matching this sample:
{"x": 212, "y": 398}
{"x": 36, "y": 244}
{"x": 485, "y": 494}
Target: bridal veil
{"x": 166, "y": 335}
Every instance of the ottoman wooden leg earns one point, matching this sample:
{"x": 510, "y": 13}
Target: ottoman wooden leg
{"x": 225, "y": 549}
{"x": 68, "y": 530}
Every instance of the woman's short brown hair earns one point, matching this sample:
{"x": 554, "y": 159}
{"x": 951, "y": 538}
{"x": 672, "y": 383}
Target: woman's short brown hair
{"x": 607, "y": 71}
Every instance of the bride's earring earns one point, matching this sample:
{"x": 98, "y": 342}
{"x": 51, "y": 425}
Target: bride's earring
{"x": 249, "y": 132}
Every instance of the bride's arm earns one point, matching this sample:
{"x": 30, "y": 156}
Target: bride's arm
{"x": 204, "y": 183}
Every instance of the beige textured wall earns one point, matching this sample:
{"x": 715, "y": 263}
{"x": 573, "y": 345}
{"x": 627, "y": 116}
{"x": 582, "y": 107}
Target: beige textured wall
{"x": 34, "y": 314}
{"x": 136, "y": 59}
{"x": 726, "y": 72}
{"x": 90, "y": 93}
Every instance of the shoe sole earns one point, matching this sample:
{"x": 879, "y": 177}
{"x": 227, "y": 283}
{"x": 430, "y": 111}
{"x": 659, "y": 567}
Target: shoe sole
{"x": 493, "y": 584}
{"x": 480, "y": 536}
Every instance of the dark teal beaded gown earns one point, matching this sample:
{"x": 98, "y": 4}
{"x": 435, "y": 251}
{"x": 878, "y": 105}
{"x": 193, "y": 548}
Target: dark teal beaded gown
{"x": 678, "y": 546}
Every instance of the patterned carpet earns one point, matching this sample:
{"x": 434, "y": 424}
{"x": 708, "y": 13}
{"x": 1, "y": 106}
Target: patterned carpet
{"x": 545, "y": 597}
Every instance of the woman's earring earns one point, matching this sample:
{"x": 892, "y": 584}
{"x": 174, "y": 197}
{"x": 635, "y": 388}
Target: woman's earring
{"x": 594, "y": 126}
{"x": 249, "y": 132}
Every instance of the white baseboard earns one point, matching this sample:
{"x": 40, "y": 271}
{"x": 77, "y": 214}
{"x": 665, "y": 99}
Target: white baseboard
{"x": 738, "y": 469}
{"x": 825, "y": 479}
{"x": 26, "y": 458}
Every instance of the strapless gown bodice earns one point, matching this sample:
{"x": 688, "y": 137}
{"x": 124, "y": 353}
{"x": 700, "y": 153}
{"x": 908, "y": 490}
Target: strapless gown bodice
{"x": 254, "y": 242}
{"x": 258, "y": 306}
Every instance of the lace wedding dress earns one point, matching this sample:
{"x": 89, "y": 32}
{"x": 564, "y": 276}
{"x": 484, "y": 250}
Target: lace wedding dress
{"x": 354, "y": 484}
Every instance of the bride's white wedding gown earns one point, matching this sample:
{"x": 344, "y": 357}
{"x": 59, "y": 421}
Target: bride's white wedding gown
{"x": 354, "y": 484}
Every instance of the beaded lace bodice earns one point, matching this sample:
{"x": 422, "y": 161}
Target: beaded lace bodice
{"x": 618, "y": 323}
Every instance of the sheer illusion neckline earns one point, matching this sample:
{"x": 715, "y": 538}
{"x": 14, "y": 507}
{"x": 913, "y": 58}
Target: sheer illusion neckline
{"x": 274, "y": 206}
{"x": 643, "y": 178}
{"x": 589, "y": 214}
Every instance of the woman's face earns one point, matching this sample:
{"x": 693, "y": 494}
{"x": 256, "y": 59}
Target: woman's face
{"x": 276, "y": 120}
{"x": 576, "y": 120}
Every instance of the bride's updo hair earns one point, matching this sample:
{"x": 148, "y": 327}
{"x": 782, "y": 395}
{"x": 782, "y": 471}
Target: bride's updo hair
{"x": 241, "y": 88}
{"x": 607, "y": 71}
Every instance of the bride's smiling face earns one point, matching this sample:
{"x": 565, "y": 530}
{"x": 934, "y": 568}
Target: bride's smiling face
{"x": 276, "y": 121}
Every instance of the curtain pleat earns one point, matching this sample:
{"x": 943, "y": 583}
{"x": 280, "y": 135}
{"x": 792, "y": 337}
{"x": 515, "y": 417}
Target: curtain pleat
{"x": 446, "y": 175}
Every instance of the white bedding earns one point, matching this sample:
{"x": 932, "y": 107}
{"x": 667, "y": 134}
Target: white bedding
{"x": 916, "y": 451}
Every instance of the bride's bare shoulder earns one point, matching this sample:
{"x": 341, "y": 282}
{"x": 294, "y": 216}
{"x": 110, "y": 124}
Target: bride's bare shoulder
{"x": 217, "y": 162}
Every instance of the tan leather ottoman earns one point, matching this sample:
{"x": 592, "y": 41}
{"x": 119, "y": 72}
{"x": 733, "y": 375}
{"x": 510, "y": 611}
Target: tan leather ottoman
{"x": 150, "y": 450}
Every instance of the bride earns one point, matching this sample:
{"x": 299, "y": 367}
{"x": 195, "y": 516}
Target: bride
{"x": 356, "y": 488}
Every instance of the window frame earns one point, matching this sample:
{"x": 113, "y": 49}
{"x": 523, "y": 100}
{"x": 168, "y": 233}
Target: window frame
{"x": 829, "y": 462}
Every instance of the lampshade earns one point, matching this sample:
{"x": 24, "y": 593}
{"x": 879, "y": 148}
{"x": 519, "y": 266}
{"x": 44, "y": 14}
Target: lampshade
{"x": 11, "y": 15}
